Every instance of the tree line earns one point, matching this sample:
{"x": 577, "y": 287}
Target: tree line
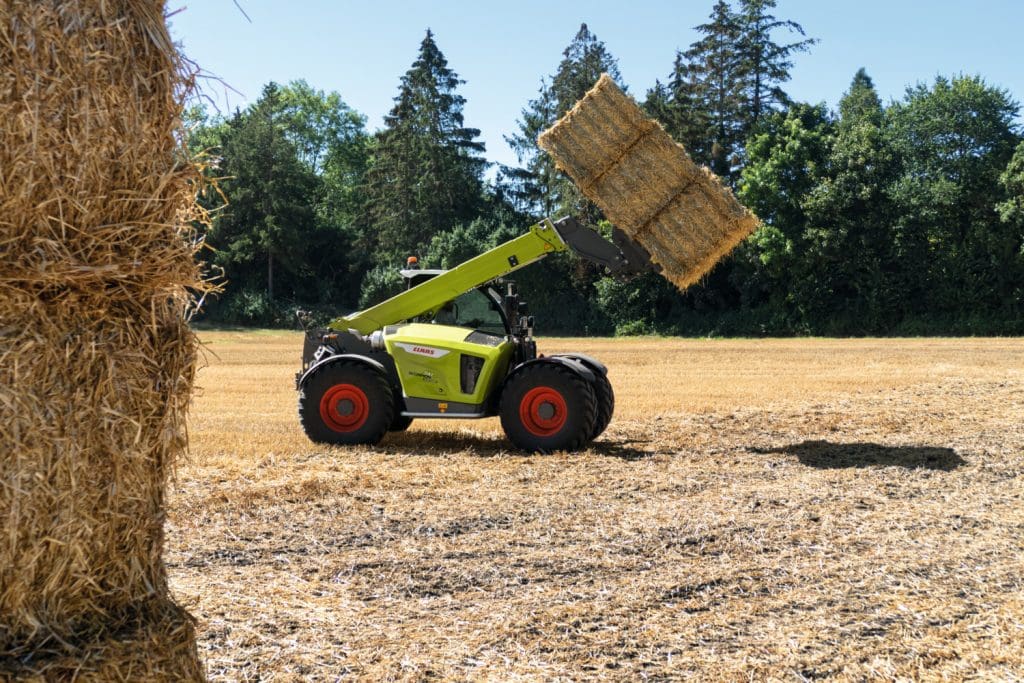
{"x": 904, "y": 217}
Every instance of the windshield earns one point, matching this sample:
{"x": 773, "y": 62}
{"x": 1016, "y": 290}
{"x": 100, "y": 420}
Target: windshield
{"x": 475, "y": 310}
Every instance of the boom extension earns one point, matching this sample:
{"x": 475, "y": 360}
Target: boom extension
{"x": 622, "y": 257}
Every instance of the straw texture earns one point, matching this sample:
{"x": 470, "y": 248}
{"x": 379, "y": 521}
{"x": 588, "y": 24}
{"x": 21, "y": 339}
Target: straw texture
{"x": 96, "y": 357}
{"x": 647, "y": 184}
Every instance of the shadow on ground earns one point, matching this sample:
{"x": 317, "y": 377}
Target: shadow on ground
{"x": 439, "y": 443}
{"x": 828, "y": 455}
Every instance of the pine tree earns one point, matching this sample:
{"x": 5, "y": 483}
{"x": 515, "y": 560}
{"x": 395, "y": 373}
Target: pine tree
{"x": 722, "y": 86}
{"x": 426, "y": 173}
{"x": 763, "y": 65}
{"x": 540, "y": 187}
{"x": 676, "y": 104}
{"x": 714, "y": 64}
{"x": 861, "y": 103}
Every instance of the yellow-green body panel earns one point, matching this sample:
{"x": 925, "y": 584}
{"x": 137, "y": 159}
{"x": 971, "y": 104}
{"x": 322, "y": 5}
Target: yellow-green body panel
{"x": 429, "y": 356}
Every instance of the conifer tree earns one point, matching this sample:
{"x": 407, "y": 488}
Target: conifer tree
{"x": 715, "y": 66}
{"x": 724, "y": 83}
{"x": 426, "y": 173}
{"x": 676, "y": 104}
{"x": 850, "y": 236}
{"x": 541, "y": 189}
{"x": 763, "y": 65}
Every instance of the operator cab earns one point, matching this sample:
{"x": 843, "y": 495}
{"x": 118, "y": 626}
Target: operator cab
{"x": 479, "y": 309}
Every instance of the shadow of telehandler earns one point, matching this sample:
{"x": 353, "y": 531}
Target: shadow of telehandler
{"x": 484, "y": 446}
{"x": 828, "y": 455}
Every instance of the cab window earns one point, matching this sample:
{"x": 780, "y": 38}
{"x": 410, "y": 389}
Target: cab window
{"x": 475, "y": 310}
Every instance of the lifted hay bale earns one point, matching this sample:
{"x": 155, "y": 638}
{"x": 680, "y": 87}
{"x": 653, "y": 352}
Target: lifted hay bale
{"x": 96, "y": 356}
{"x": 646, "y": 184}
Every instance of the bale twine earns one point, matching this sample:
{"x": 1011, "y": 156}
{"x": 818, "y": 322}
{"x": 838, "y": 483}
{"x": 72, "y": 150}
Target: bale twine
{"x": 646, "y": 184}
{"x": 97, "y": 271}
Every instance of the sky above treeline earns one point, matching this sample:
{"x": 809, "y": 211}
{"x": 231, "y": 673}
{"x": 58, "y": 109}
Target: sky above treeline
{"x": 503, "y": 49}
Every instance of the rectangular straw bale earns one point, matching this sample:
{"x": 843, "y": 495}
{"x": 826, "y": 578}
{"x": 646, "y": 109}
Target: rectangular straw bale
{"x": 97, "y": 276}
{"x": 646, "y": 184}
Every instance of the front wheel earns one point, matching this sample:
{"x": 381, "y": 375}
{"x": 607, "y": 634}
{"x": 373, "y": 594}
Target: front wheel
{"x": 346, "y": 402}
{"x": 548, "y": 407}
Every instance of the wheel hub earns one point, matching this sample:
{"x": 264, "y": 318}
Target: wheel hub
{"x": 543, "y": 411}
{"x": 344, "y": 408}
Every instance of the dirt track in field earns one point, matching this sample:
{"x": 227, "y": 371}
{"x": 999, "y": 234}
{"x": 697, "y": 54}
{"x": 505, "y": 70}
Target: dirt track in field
{"x": 766, "y": 510}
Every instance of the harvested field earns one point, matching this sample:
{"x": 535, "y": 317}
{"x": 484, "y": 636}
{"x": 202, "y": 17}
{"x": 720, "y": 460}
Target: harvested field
{"x": 765, "y": 510}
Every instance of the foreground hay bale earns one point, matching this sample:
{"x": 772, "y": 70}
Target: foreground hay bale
{"x": 646, "y": 184}
{"x": 96, "y": 357}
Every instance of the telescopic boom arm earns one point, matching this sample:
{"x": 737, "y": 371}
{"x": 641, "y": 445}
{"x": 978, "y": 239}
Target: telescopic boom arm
{"x": 542, "y": 239}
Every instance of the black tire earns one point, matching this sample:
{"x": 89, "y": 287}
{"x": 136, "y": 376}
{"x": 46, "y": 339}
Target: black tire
{"x": 603, "y": 393}
{"x": 400, "y": 423}
{"x": 548, "y": 407}
{"x": 346, "y": 402}
{"x": 605, "y": 402}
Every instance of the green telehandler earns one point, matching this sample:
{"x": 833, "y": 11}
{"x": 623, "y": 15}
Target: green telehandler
{"x": 459, "y": 343}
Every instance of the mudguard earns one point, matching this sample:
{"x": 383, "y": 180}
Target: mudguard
{"x": 588, "y": 361}
{"x": 301, "y": 380}
{"x": 568, "y": 361}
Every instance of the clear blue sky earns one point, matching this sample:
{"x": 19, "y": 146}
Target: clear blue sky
{"x": 502, "y": 49}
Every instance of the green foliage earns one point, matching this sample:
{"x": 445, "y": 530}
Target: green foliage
{"x": 956, "y": 139}
{"x": 763, "y": 64}
{"x": 726, "y": 82}
{"x": 898, "y": 219}
{"x": 285, "y": 234}
{"x": 380, "y": 283}
{"x": 269, "y": 212}
{"x": 785, "y": 162}
{"x": 886, "y": 219}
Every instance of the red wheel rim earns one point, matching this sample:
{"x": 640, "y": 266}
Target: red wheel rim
{"x": 542, "y": 411}
{"x": 344, "y": 408}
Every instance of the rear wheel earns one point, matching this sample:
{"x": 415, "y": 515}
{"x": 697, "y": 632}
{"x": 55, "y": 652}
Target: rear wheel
{"x": 547, "y": 407}
{"x": 605, "y": 402}
{"x": 347, "y": 402}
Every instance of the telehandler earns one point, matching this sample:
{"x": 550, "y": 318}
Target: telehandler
{"x": 459, "y": 343}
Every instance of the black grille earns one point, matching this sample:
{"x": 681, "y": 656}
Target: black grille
{"x": 470, "y": 372}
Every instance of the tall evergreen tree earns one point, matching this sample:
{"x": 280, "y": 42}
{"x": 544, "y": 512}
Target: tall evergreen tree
{"x": 426, "y": 174}
{"x": 677, "y": 105}
{"x": 542, "y": 189}
{"x": 861, "y": 103}
{"x": 724, "y": 84}
{"x": 714, "y": 63}
{"x": 763, "y": 64}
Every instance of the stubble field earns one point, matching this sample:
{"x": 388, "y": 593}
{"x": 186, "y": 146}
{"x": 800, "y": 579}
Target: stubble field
{"x": 757, "y": 510}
